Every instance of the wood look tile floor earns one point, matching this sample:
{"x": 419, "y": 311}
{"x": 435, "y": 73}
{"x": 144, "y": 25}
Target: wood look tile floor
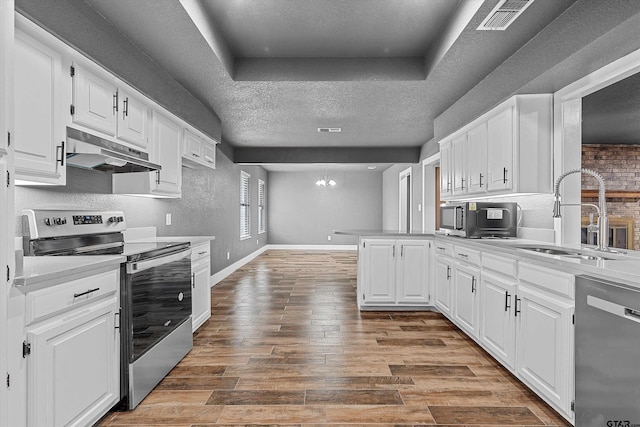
{"x": 286, "y": 345}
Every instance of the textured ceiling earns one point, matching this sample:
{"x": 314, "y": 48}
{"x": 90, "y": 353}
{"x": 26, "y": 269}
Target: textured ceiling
{"x": 281, "y": 104}
{"x": 612, "y": 115}
{"x": 329, "y": 28}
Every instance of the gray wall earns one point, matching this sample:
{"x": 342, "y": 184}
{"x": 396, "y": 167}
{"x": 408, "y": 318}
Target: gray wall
{"x": 391, "y": 196}
{"x": 300, "y": 212}
{"x": 209, "y": 206}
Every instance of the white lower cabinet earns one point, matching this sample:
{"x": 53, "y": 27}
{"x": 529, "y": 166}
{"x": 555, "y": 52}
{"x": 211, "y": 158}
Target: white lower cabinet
{"x": 72, "y": 351}
{"x": 201, "y": 291}
{"x": 544, "y": 352}
{"x": 521, "y": 313}
{"x": 466, "y": 280}
{"x": 393, "y": 272}
{"x": 497, "y": 322}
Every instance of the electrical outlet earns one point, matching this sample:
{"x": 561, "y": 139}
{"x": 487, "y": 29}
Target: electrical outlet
{"x": 228, "y": 255}
{"x": 419, "y": 207}
{"x": 328, "y": 237}
{"x": 257, "y": 242}
{"x": 168, "y": 219}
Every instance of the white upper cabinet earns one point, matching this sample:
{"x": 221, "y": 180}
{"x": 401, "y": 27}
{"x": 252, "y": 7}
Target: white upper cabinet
{"x": 38, "y": 106}
{"x": 505, "y": 151}
{"x": 477, "y": 165}
{"x": 446, "y": 169}
{"x": 102, "y": 105}
{"x": 133, "y": 119}
{"x": 95, "y": 101}
{"x": 198, "y": 151}
{"x": 500, "y": 150}
{"x": 165, "y": 151}
{"x": 459, "y": 145}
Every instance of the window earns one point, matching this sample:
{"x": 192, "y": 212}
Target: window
{"x": 262, "y": 223}
{"x": 245, "y": 206}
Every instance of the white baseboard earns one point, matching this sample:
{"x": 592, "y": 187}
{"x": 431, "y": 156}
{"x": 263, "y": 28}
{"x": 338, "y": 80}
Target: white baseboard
{"x": 228, "y": 270}
{"x": 315, "y": 247}
{"x": 225, "y": 272}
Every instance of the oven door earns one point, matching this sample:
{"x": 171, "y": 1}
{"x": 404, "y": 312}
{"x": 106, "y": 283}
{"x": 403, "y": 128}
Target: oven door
{"x": 158, "y": 295}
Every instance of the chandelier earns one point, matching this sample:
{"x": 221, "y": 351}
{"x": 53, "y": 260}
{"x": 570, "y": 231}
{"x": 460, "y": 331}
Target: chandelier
{"x": 326, "y": 180}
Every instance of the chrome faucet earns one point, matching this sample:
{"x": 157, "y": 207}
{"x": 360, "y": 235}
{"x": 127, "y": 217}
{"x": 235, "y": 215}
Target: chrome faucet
{"x": 603, "y": 220}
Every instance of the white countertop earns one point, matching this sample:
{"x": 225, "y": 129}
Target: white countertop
{"x": 38, "y": 270}
{"x": 194, "y": 240}
{"x": 623, "y": 268}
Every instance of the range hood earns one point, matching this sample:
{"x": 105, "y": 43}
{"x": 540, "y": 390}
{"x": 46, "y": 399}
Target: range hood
{"x": 89, "y": 151}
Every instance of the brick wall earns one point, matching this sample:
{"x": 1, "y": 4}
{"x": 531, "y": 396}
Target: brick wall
{"x": 620, "y": 167}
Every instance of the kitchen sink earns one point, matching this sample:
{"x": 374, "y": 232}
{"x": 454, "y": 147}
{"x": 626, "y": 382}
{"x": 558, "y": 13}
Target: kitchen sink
{"x": 565, "y": 252}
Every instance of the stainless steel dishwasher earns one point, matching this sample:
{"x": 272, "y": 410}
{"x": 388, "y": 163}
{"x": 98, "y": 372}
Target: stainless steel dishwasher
{"x": 607, "y": 347}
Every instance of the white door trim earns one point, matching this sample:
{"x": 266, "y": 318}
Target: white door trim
{"x": 403, "y": 174}
{"x": 567, "y": 136}
{"x": 427, "y": 183}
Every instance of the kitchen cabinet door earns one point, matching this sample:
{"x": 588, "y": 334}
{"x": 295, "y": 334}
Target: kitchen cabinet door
{"x": 209, "y": 155}
{"x": 544, "y": 341}
{"x": 193, "y": 146}
{"x": 500, "y": 141}
{"x": 40, "y": 131}
{"x": 133, "y": 120}
{"x": 465, "y": 311}
{"x": 165, "y": 150}
{"x": 459, "y": 148}
{"x": 413, "y": 271}
{"x": 95, "y": 101}
{"x": 74, "y": 367}
{"x": 446, "y": 165}
{"x": 379, "y": 281}
{"x": 444, "y": 286}
{"x": 477, "y": 159}
{"x": 497, "y": 322}
{"x": 201, "y": 296}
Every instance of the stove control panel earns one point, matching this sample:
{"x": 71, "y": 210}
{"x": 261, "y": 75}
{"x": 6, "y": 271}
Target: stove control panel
{"x": 48, "y": 223}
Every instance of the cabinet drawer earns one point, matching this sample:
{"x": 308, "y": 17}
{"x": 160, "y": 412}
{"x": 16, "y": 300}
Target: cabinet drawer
{"x": 200, "y": 251}
{"x": 59, "y": 298}
{"x": 442, "y": 248}
{"x": 501, "y": 265}
{"x": 469, "y": 255}
{"x": 548, "y": 279}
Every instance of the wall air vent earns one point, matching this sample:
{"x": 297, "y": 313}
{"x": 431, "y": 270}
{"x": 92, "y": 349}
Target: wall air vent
{"x": 505, "y": 12}
{"x": 329, "y": 130}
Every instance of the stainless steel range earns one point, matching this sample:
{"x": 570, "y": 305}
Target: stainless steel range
{"x": 155, "y": 293}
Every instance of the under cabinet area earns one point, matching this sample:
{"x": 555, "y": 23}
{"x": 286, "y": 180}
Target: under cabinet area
{"x": 71, "y": 350}
{"x": 201, "y": 291}
{"x": 393, "y": 273}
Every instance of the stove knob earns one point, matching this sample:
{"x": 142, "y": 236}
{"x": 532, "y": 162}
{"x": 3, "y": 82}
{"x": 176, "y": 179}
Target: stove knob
{"x": 47, "y": 221}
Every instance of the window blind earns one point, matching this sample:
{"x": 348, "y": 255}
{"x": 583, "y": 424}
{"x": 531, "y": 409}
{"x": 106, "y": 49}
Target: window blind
{"x": 262, "y": 224}
{"x": 245, "y": 205}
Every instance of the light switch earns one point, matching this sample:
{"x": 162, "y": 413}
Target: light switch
{"x": 168, "y": 219}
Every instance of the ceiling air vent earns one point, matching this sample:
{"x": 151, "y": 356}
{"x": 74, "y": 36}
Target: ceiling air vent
{"x": 505, "y": 12}
{"x": 329, "y": 130}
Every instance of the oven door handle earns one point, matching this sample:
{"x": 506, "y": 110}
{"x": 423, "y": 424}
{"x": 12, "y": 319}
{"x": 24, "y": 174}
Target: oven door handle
{"x": 135, "y": 267}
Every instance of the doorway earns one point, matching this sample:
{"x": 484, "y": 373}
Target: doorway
{"x": 405, "y": 216}
{"x": 431, "y": 194}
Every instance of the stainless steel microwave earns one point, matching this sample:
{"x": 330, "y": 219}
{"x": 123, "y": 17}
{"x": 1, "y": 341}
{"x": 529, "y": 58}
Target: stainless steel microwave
{"x": 480, "y": 219}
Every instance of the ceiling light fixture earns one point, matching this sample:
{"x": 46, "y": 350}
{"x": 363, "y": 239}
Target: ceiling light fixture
{"x": 326, "y": 180}
{"x": 329, "y": 130}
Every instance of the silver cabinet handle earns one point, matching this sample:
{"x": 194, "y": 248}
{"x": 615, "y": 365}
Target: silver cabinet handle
{"x": 517, "y": 310}
{"x": 507, "y": 299}
{"x": 480, "y": 180}
{"x": 473, "y": 284}
{"x": 504, "y": 175}
{"x": 613, "y": 308}
{"x": 463, "y": 255}
{"x": 115, "y": 103}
